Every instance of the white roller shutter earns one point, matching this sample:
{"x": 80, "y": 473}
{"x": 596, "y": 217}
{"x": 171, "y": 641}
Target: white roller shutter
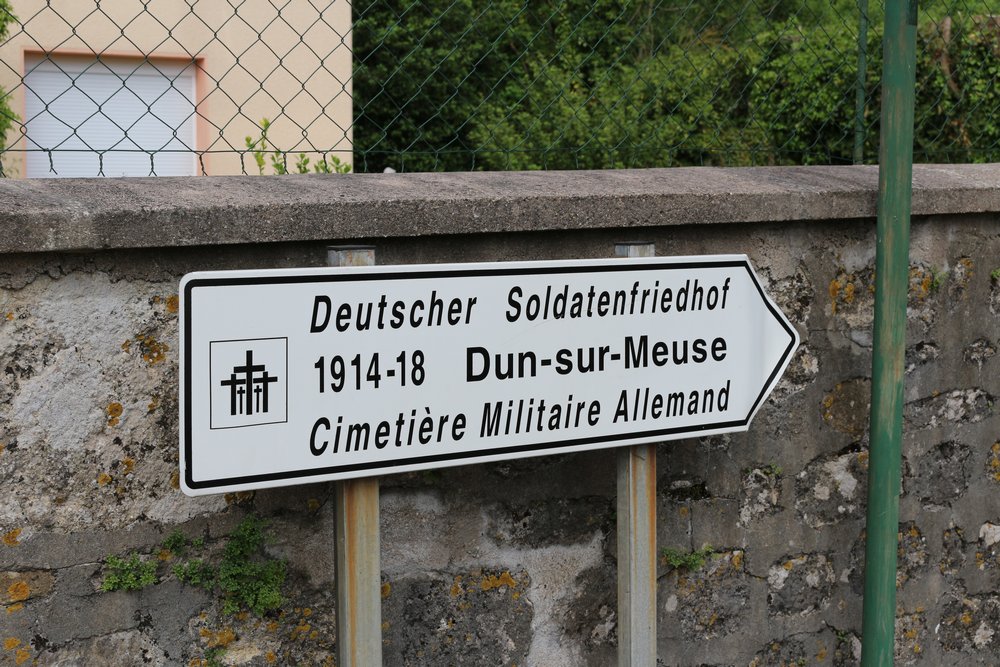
{"x": 77, "y": 107}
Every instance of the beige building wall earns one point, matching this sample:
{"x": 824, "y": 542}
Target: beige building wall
{"x": 289, "y": 62}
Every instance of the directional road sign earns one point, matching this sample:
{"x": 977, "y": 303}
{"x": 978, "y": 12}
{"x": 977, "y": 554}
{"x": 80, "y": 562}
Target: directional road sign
{"x": 301, "y": 375}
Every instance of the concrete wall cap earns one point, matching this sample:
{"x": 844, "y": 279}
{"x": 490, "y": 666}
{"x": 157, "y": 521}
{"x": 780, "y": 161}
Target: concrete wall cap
{"x": 117, "y": 213}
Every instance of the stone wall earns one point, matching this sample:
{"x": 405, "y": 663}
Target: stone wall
{"x": 505, "y": 563}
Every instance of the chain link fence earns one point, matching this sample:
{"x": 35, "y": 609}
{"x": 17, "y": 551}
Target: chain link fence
{"x": 175, "y": 87}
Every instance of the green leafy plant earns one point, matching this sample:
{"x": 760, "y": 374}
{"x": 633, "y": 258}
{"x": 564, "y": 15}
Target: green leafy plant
{"x": 7, "y": 115}
{"x": 127, "y": 574}
{"x": 176, "y": 543}
{"x": 938, "y": 279}
{"x": 995, "y": 275}
{"x": 687, "y": 560}
{"x": 196, "y": 573}
{"x": 213, "y": 657}
{"x": 772, "y": 470}
{"x": 259, "y": 145}
{"x": 263, "y": 152}
{"x": 246, "y": 577}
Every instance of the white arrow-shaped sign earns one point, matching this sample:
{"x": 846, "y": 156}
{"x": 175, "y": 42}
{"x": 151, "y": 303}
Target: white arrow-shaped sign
{"x": 292, "y": 376}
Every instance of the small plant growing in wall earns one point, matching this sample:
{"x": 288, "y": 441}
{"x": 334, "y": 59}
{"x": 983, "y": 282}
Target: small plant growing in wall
{"x": 938, "y": 279}
{"x": 127, "y": 574}
{"x": 687, "y": 560}
{"x": 244, "y": 576}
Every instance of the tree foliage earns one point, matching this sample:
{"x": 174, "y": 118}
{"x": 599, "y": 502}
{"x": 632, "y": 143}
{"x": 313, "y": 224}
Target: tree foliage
{"x": 7, "y": 115}
{"x": 553, "y": 84}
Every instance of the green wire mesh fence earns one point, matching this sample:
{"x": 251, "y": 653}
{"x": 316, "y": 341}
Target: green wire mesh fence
{"x": 138, "y": 87}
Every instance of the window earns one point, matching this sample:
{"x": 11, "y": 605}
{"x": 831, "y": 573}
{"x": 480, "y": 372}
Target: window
{"x": 141, "y": 112}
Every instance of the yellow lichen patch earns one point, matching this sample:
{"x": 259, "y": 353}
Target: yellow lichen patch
{"x": 165, "y": 555}
{"x": 683, "y": 511}
{"x": 788, "y": 565}
{"x": 313, "y": 504}
{"x": 994, "y": 462}
{"x": 153, "y": 403}
{"x": 127, "y": 345}
{"x": 128, "y": 464}
{"x": 737, "y": 559}
{"x": 22, "y": 656}
{"x": 175, "y": 480}
{"x": 10, "y": 316}
{"x": 300, "y": 631}
{"x": 386, "y": 590}
{"x": 238, "y": 497}
{"x": 492, "y": 581}
{"x": 153, "y": 351}
{"x": 10, "y": 537}
{"x": 114, "y": 411}
{"x": 103, "y": 479}
{"x": 834, "y": 290}
{"x": 307, "y": 612}
{"x": 18, "y": 591}
{"x": 218, "y": 639}
{"x": 456, "y": 586}
{"x": 921, "y": 282}
{"x": 271, "y": 657}
{"x": 272, "y": 626}
{"x": 15, "y": 608}
{"x": 172, "y": 303}
{"x": 11, "y": 643}
{"x": 966, "y": 618}
{"x": 849, "y": 293}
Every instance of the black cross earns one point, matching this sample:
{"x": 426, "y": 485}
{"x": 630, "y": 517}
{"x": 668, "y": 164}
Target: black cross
{"x": 249, "y": 370}
{"x": 242, "y": 381}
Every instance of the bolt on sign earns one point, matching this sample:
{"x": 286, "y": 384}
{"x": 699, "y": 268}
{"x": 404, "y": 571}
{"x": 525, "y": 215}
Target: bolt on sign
{"x": 303, "y": 375}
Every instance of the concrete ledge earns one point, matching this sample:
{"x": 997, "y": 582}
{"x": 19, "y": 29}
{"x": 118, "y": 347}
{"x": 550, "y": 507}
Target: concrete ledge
{"x": 86, "y": 214}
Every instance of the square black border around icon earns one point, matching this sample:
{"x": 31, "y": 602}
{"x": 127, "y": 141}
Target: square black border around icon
{"x": 245, "y": 340}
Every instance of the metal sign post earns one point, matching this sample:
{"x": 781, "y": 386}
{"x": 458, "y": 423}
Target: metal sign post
{"x": 636, "y": 536}
{"x": 359, "y": 575}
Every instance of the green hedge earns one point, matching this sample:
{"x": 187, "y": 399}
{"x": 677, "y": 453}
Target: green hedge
{"x": 546, "y": 84}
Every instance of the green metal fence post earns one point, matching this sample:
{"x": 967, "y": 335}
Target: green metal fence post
{"x": 892, "y": 278}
